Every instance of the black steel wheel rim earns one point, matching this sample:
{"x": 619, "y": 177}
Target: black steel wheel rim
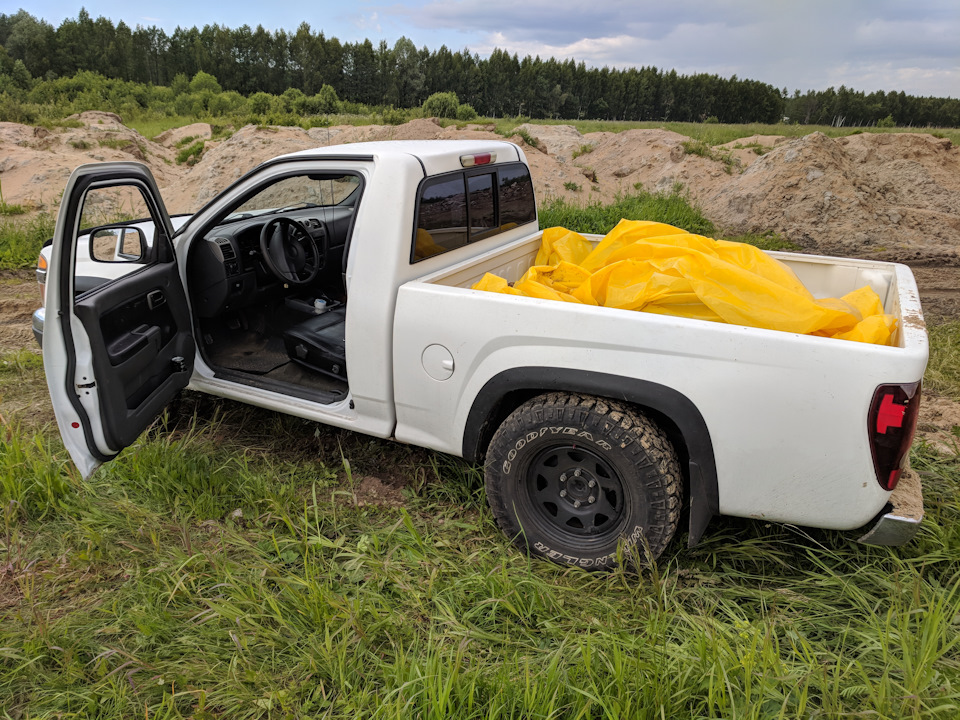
{"x": 575, "y": 491}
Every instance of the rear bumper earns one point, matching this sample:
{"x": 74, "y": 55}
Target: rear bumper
{"x": 38, "y": 325}
{"x": 900, "y": 520}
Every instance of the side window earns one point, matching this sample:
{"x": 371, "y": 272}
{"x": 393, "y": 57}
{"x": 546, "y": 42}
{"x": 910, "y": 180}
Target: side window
{"x": 462, "y": 208}
{"x": 112, "y": 205}
{"x": 117, "y": 229}
{"x": 442, "y": 219}
{"x": 517, "y": 205}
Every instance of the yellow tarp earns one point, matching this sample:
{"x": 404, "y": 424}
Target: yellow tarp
{"x": 659, "y": 268}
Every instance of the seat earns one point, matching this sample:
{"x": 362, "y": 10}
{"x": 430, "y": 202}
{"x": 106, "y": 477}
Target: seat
{"x": 318, "y": 343}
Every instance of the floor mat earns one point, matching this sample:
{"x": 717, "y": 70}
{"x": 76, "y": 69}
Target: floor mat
{"x": 255, "y": 355}
{"x": 302, "y": 377}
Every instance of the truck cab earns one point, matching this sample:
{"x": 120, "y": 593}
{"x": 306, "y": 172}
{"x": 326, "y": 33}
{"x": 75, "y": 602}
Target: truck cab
{"x": 280, "y": 292}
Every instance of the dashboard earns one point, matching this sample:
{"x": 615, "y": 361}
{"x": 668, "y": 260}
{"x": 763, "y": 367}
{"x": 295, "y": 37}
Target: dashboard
{"x": 226, "y": 270}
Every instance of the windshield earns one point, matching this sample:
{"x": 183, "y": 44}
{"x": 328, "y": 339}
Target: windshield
{"x": 297, "y": 192}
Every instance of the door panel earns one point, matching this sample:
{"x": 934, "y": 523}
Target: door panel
{"x": 132, "y": 325}
{"x": 115, "y": 354}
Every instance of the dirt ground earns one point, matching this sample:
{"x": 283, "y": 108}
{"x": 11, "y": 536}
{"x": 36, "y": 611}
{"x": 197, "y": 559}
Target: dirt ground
{"x": 883, "y": 196}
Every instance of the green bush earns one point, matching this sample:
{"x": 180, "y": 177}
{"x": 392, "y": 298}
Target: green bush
{"x": 13, "y": 110}
{"x": 441, "y": 105}
{"x": 189, "y": 104}
{"x": 887, "y": 122}
{"x": 466, "y": 112}
{"x": 180, "y": 84}
{"x": 191, "y": 154}
{"x": 205, "y": 82}
{"x": 393, "y": 116}
{"x": 292, "y": 100}
{"x": 228, "y": 103}
{"x": 259, "y": 103}
{"x": 327, "y": 100}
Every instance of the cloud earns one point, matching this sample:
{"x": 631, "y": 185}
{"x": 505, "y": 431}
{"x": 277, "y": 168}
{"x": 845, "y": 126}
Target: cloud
{"x": 884, "y": 44}
{"x": 368, "y": 23}
{"x": 563, "y": 22}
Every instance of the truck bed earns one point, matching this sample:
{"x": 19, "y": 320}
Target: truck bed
{"x": 822, "y": 275}
{"x": 786, "y": 413}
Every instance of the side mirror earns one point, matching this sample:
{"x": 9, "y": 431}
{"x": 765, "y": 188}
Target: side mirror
{"x": 118, "y": 243}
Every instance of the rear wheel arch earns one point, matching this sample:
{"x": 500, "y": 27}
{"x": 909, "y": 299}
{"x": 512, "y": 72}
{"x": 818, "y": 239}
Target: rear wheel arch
{"x": 674, "y": 412}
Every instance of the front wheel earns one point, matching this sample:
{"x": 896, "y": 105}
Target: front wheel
{"x": 572, "y": 477}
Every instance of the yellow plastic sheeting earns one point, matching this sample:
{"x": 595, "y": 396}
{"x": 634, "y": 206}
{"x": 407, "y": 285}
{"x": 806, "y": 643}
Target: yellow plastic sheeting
{"x": 662, "y": 269}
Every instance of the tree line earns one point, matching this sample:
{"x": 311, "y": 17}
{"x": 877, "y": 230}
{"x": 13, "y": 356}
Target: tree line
{"x": 247, "y": 61}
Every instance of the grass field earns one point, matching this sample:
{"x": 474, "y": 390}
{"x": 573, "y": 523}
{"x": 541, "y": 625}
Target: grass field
{"x": 227, "y": 566}
{"x": 237, "y": 563}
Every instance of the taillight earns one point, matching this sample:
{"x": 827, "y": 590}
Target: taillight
{"x": 477, "y": 159}
{"x": 891, "y": 424}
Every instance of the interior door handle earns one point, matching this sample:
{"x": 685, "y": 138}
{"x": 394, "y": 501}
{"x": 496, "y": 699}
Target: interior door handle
{"x": 155, "y": 299}
{"x": 129, "y": 344}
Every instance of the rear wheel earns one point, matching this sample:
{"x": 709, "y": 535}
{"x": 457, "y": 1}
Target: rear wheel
{"x": 572, "y": 477}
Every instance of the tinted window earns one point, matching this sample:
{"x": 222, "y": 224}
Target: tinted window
{"x": 465, "y": 207}
{"x": 483, "y": 216}
{"x": 442, "y": 220}
{"x": 516, "y": 196}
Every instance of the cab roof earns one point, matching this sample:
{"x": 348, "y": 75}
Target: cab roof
{"x": 436, "y": 156}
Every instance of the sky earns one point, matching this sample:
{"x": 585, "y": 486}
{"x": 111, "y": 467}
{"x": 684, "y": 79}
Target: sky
{"x": 798, "y": 44}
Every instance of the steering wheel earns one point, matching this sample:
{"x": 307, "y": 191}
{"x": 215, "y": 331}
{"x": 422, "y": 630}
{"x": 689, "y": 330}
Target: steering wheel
{"x": 289, "y": 251}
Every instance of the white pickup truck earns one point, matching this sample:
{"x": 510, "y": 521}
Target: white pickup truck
{"x": 334, "y": 285}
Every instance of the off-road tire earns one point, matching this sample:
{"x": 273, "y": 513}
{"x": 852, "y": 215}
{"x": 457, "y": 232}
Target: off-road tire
{"x": 539, "y": 468}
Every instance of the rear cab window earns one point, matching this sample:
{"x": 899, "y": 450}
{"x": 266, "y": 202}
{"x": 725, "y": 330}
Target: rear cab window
{"x": 459, "y": 208}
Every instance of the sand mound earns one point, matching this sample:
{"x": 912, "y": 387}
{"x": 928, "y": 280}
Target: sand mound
{"x": 227, "y": 161}
{"x": 893, "y": 196}
{"x": 36, "y": 162}
{"x": 746, "y": 150}
{"x": 558, "y": 141}
{"x": 175, "y": 136}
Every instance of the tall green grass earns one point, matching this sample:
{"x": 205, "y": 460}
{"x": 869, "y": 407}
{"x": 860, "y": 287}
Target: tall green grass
{"x": 152, "y": 124}
{"x": 21, "y": 240}
{"x": 222, "y": 567}
{"x": 34, "y": 478}
{"x": 943, "y": 370}
{"x": 673, "y": 208}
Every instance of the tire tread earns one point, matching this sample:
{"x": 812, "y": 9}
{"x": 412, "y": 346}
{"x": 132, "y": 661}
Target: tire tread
{"x": 618, "y": 422}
